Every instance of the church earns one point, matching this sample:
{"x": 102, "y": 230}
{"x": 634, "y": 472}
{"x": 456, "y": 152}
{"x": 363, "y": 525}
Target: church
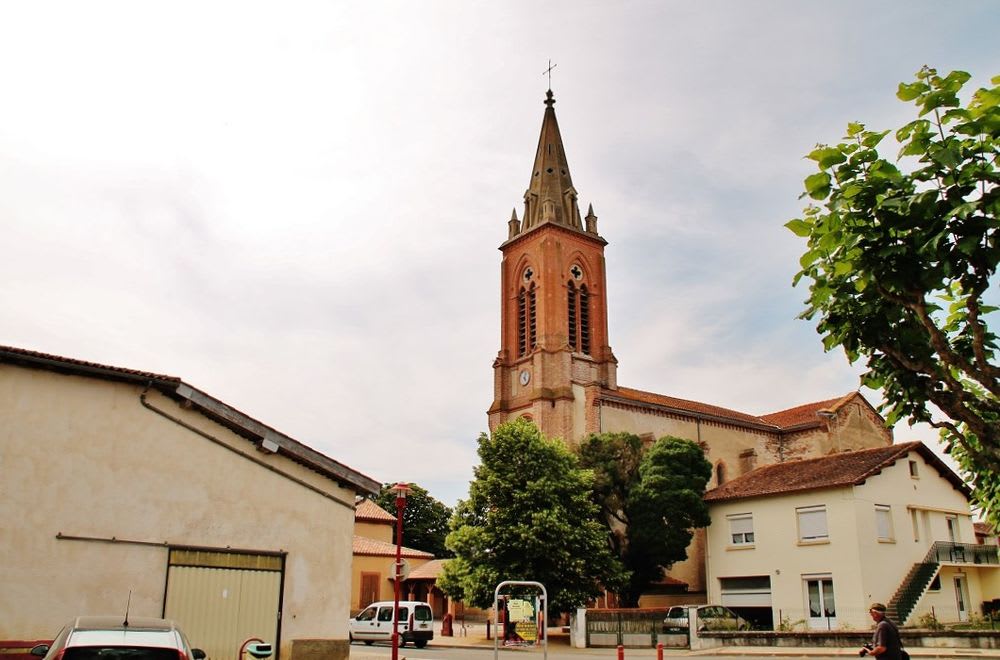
{"x": 556, "y": 367}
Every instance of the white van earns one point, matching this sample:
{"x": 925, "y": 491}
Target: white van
{"x": 374, "y": 623}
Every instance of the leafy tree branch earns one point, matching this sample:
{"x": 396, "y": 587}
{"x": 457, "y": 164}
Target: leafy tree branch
{"x": 901, "y": 258}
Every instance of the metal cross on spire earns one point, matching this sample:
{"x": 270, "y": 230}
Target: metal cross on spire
{"x": 549, "y": 72}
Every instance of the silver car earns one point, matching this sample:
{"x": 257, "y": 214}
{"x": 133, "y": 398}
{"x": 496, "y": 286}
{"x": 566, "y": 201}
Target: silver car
{"x": 119, "y": 638}
{"x": 710, "y": 617}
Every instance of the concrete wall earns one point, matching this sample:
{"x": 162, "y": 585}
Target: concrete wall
{"x": 82, "y": 456}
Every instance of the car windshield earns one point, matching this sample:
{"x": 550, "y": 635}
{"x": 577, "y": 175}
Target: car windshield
{"x": 422, "y": 614}
{"x": 677, "y": 613}
{"x": 119, "y": 653}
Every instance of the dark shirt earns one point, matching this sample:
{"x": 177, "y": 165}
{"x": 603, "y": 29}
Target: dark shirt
{"x": 887, "y": 635}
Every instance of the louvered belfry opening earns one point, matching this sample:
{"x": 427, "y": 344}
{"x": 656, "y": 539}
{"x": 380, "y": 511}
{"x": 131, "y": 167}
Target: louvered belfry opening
{"x": 578, "y": 317}
{"x": 571, "y": 314}
{"x": 522, "y": 334}
{"x": 532, "y": 326}
{"x": 526, "y": 320}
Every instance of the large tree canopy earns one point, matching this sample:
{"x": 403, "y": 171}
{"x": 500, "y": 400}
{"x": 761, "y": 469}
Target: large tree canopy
{"x": 901, "y": 260}
{"x": 528, "y": 517}
{"x": 650, "y": 501}
{"x": 425, "y": 519}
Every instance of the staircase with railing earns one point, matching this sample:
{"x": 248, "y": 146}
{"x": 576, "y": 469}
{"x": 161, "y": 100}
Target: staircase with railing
{"x": 913, "y": 586}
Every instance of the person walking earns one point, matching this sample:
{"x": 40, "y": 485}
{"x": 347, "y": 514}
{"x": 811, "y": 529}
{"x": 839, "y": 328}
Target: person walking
{"x": 885, "y": 640}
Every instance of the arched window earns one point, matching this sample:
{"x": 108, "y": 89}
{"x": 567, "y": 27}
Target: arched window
{"x": 526, "y": 320}
{"x": 720, "y": 473}
{"x": 578, "y": 314}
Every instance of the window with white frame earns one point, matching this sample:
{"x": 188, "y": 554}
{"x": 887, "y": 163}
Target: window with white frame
{"x": 915, "y": 521}
{"x": 741, "y": 528}
{"x": 812, "y": 523}
{"x": 820, "y": 599}
{"x": 914, "y": 470}
{"x": 883, "y": 522}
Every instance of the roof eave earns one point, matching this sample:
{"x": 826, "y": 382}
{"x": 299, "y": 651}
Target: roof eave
{"x": 673, "y": 410}
{"x": 290, "y": 447}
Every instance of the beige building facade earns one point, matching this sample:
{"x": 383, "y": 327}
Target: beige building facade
{"x": 122, "y": 486}
{"x": 811, "y": 543}
{"x": 373, "y": 572}
{"x": 556, "y": 367}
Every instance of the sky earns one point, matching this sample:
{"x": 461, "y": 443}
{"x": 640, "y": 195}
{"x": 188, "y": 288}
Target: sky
{"x": 296, "y": 207}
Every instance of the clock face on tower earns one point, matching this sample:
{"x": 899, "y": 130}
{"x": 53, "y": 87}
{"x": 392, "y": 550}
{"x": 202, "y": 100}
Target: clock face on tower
{"x": 524, "y": 376}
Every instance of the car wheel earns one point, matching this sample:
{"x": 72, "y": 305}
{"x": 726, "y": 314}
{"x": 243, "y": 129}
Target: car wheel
{"x": 420, "y": 643}
{"x": 368, "y": 642}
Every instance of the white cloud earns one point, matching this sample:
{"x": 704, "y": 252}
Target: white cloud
{"x": 297, "y": 208}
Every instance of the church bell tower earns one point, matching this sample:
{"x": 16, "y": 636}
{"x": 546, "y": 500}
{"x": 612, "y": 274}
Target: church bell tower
{"x": 554, "y": 355}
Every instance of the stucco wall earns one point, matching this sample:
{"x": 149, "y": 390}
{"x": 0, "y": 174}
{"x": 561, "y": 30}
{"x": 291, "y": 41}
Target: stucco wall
{"x": 83, "y": 457}
{"x": 385, "y": 567}
{"x": 372, "y": 530}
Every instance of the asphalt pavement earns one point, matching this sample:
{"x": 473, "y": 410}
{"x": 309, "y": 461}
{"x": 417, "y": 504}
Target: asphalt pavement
{"x": 473, "y": 640}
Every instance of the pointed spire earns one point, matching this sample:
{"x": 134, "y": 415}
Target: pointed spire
{"x": 591, "y": 220}
{"x": 514, "y": 225}
{"x": 551, "y": 196}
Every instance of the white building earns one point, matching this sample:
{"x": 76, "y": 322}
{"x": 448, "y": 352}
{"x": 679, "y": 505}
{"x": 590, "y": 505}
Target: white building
{"x": 810, "y": 543}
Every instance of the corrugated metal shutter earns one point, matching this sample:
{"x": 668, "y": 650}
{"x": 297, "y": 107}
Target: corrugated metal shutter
{"x": 220, "y": 607}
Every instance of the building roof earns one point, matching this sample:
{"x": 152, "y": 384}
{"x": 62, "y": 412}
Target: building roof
{"x": 374, "y": 548}
{"x": 809, "y": 414}
{"x": 799, "y": 418}
{"x": 850, "y": 468}
{"x": 429, "y": 571}
{"x": 983, "y": 529}
{"x": 262, "y": 436}
{"x": 368, "y": 511}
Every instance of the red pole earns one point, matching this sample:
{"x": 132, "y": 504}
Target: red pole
{"x": 659, "y": 651}
{"x": 400, "y": 505}
{"x": 621, "y": 652}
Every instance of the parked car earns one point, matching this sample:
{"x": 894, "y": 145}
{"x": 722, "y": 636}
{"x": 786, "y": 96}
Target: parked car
{"x": 374, "y": 623}
{"x": 710, "y": 617}
{"x": 119, "y": 638}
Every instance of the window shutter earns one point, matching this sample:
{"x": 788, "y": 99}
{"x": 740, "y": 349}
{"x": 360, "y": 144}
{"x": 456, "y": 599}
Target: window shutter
{"x": 812, "y": 524}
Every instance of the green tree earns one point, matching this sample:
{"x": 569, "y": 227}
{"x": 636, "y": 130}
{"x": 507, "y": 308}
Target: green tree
{"x": 425, "y": 519}
{"x": 901, "y": 257}
{"x": 528, "y": 517}
{"x": 650, "y": 501}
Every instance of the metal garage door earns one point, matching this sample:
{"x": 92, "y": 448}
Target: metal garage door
{"x": 221, "y": 599}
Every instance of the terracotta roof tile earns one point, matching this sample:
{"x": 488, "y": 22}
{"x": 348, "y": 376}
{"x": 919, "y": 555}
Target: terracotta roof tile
{"x": 366, "y": 546}
{"x": 11, "y": 354}
{"x": 983, "y": 529}
{"x": 683, "y": 404}
{"x": 793, "y": 418}
{"x": 368, "y": 511}
{"x": 429, "y": 571}
{"x": 834, "y": 470}
{"x": 806, "y": 414}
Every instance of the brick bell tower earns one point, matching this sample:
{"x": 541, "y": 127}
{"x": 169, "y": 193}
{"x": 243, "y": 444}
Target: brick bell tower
{"x": 554, "y": 355}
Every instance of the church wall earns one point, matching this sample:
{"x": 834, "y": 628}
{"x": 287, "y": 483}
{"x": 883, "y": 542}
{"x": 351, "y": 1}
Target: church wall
{"x": 738, "y": 451}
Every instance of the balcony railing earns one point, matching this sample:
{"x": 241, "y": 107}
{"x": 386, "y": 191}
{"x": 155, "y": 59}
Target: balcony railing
{"x": 962, "y": 553}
